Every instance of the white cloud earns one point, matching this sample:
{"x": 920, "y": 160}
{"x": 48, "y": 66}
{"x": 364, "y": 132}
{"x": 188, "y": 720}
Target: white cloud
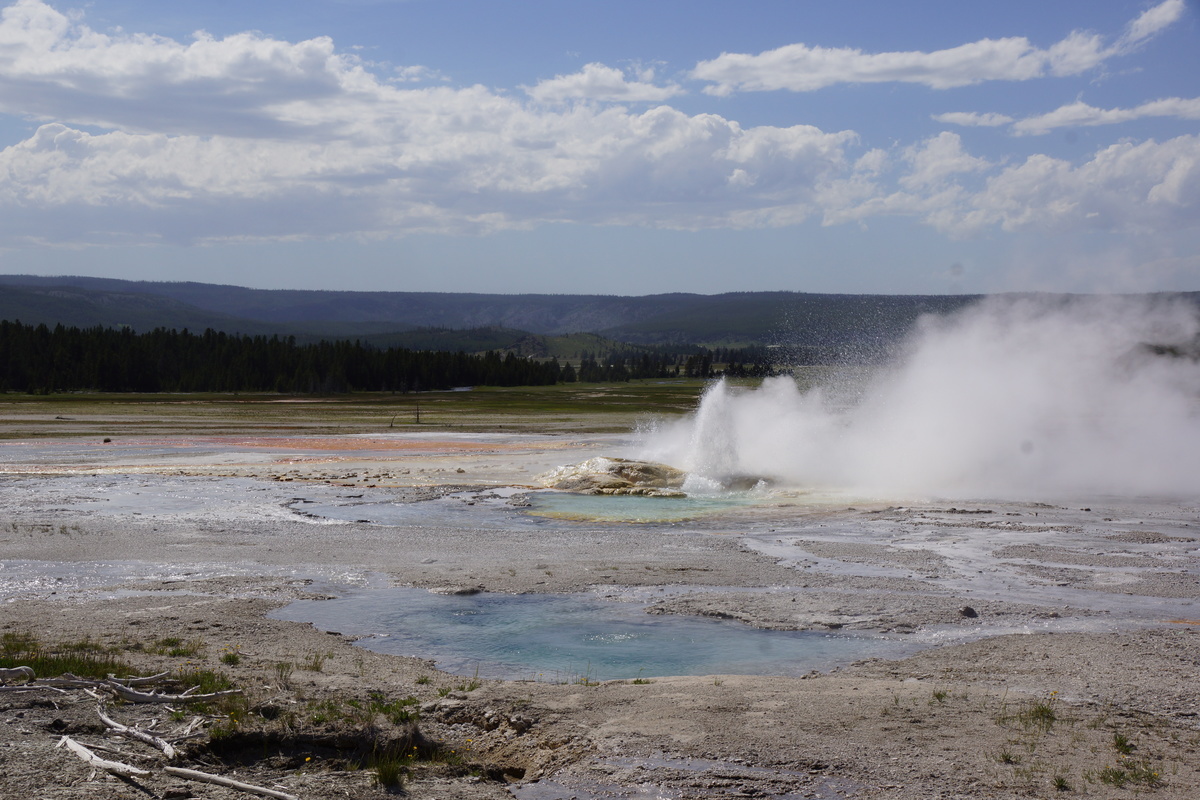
{"x": 474, "y": 162}
{"x": 251, "y": 137}
{"x": 1152, "y": 21}
{"x": 973, "y": 119}
{"x": 937, "y": 159}
{"x": 804, "y": 68}
{"x": 54, "y": 68}
{"x": 1082, "y": 114}
{"x": 801, "y": 68}
{"x": 1145, "y": 188}
{"x": 602, "y": 83}
{"x": 416, "y": 73}
{"x": 248, "y": 137}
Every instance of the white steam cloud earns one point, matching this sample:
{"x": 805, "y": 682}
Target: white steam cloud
{"x": 1013, "y": 398}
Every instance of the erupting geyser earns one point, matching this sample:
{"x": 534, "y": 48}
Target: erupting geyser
{"x": 1014, "y": 397}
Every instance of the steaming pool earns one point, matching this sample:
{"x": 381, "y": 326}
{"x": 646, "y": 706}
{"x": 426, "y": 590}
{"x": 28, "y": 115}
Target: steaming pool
{"x": 573, "y": 637}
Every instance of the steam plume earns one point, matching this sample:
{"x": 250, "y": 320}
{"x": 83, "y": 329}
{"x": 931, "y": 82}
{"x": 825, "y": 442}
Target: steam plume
{"x": 1025, "y": 397}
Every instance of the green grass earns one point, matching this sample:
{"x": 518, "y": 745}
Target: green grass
{"x": 283, "y": 673}
{"x": 398, "y": 712}
{"x": 84, "y": 658}
{"x": 1126, "y": 774}
{"x": 390, "y": 772}
{"x": 1040, "y": 714}
{"x": 1122, "y": 744}
{"x": 576, "y": 407}
{"x": 206, "y": 681}
{"x": 315, "y": 661}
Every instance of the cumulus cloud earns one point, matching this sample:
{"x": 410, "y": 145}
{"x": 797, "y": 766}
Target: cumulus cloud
{"x": 147, "y": 139}
{"x": 805, "y": 68}
{"x": 1082, "y": 114}
{"x": 248, "y": 136}
{"x": 1147, "y": 188}
{"x": 602, "y": 83}
{"x": 937, "y": 159}
{"x": 1129, "y": 187}
{"x": 496, "y": 165}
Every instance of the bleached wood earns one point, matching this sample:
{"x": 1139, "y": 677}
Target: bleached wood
{"x": 12, "y": 673}
{"x": 95, "y": 761}
{"x": 194, "y": 775}
{"x": 134, "y": 696}
{"x": 136, "y": 681}
{"x": 134, "y": 733}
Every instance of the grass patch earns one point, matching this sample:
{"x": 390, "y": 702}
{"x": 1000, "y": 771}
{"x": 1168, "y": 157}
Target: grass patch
{"x": 1040, "y": 714}
{"x": 175, "y": 647}
{"x": 84, "y": 658}
{"x": 390, "y": 772}
{"x": 578, "y": 407}
{"x": 1007, "y": 756}
{"x": 362, "y": 714}
{"x": 206, "y": 681}
{"x": 283, "y": 673}
{"x": 315, "y": 661}
{"x": 398, "y": 712}
{"x": 1122, "y": 775}
{"x": 1122, "y": 744}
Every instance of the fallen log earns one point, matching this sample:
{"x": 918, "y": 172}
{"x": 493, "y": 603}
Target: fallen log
{"x": 136, "y": 681}
{"x": 96, "y": 762}
{"x": 134, "y": 696}
{"x": 13, "y": 673}
{"x": 31, "y": 687}
{"x": 204, "y": 777}
{"x": 134, "y": 733}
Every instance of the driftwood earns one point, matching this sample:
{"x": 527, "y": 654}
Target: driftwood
{"x": 70, "y": 681}
{"x": 115, "y": 767}
{"x": 204, "y": 777}
{"x": 17, "y": 672}
{"x": 134, "y": 733}
{"x": 135, "y": 681}
{"x": 30, "y": 687}
{"x": 134, "y": 696}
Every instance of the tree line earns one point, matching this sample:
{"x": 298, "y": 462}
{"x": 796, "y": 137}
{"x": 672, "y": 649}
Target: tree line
{"x": 40, "y": 359}
{"x": 660, "y": 362}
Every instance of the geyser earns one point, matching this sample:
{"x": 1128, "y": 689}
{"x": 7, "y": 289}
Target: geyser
{"x": 1013, "y": 397}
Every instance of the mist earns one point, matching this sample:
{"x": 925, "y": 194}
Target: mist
{"x": 1013, "y": 398}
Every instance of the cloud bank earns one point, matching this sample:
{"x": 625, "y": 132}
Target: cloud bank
{"x": 143, "y": 138}
{"x": 805, "y": 68}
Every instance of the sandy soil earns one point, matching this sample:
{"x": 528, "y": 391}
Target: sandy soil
{"x": 1064, "y": 658}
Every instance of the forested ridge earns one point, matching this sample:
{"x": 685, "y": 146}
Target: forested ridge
{"x": 40, "y": 359}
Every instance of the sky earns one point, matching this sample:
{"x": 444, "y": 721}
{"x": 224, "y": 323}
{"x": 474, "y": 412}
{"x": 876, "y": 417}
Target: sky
{"x": 616, "y": 147}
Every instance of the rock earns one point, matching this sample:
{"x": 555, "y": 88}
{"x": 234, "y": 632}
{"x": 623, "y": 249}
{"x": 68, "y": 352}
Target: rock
{"x": 603, "y": 475}
{"x": 968, "y": 612}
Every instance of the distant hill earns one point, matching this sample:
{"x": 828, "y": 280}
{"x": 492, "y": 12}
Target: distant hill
{"x": 497, "y": 321}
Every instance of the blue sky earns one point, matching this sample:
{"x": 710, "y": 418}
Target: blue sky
{"x": 605, "y": 147}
